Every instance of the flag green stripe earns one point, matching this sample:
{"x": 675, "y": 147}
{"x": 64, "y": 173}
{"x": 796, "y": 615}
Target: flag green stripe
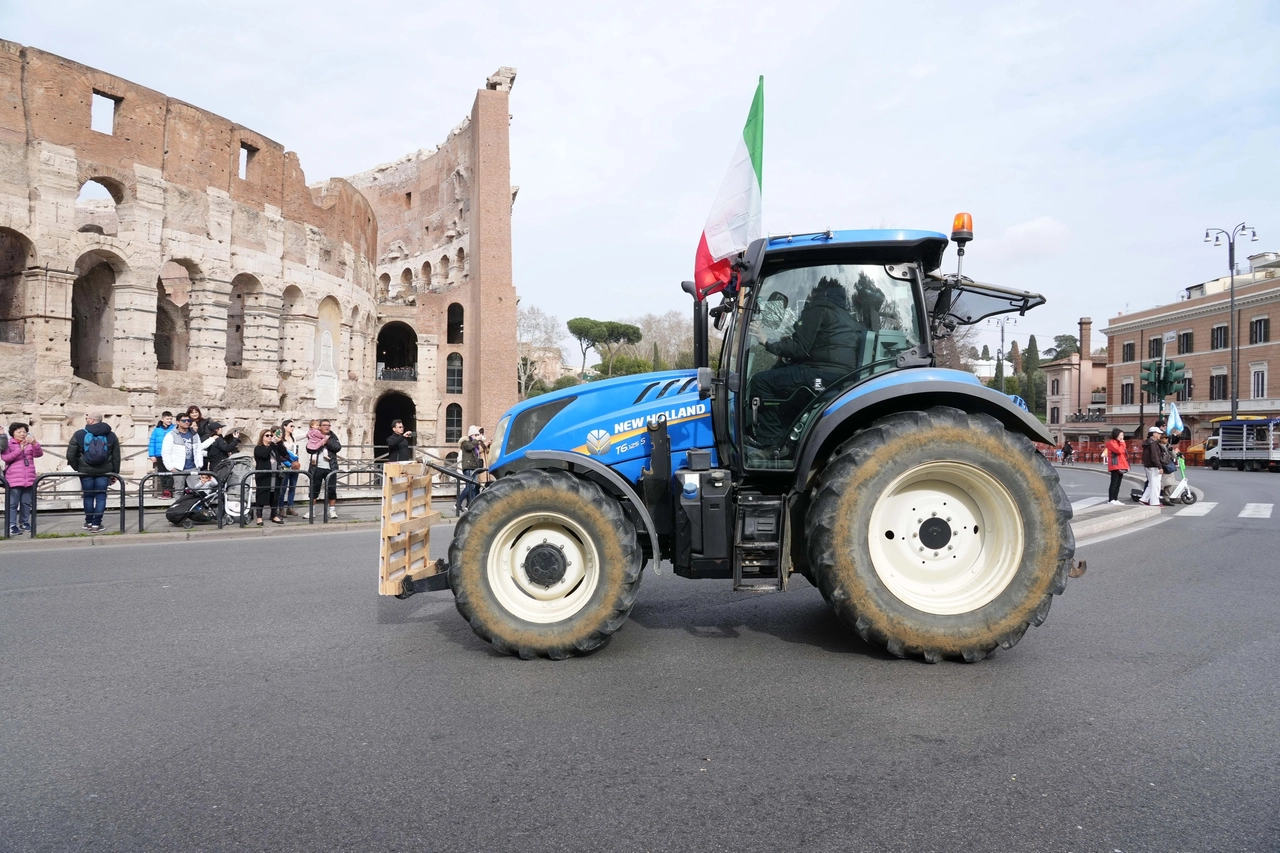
{"x": 753, "y": 133}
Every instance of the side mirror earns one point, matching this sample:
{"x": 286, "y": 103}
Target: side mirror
{"x": 706, "y": 379}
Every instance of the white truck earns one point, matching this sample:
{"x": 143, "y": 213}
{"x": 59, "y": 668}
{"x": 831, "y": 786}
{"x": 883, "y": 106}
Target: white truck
{"x": 1248, "y": 444}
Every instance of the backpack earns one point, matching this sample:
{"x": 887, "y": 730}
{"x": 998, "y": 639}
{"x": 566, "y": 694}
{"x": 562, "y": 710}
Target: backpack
{"x": 96, "y": 451}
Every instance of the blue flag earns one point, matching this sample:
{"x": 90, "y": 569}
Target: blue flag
{"x": 1175, "y": 420}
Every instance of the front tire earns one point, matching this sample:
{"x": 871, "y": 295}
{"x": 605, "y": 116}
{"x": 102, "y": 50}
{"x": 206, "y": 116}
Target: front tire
{"x": 1189, "y": 497}
{"x": 1215, "y": 464}
{"x": 544, "y": 563}
{"x": 940, "y": 534}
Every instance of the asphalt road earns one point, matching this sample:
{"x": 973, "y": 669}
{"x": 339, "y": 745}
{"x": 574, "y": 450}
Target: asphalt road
{"x": 259, "y": 695}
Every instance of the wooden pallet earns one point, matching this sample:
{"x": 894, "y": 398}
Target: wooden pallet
{"x": 407, "y": 518}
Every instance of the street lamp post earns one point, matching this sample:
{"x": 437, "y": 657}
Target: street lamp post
{"x": 1218, "y": 234}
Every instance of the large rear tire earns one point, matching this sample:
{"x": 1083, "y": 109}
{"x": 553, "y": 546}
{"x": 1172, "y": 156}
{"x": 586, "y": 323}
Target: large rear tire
{"x": 940, "y": 534}
{"x": 544, "y": 563}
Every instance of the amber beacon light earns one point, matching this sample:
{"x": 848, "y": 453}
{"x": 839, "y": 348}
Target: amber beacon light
{"x": 962, "y": 229}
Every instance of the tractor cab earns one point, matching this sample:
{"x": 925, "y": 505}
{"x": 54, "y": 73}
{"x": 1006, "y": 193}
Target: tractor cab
{"x": 812, "y": 316}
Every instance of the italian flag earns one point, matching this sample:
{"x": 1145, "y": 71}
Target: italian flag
{"x": 735, "y": 217}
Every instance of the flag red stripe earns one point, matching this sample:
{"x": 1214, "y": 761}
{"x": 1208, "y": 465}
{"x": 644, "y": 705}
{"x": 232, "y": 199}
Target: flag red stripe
{"x": 709, "y": 276}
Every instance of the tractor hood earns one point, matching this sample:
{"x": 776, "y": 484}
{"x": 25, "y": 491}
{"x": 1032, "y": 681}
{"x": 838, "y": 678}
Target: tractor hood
{"x": 608, "y": 420}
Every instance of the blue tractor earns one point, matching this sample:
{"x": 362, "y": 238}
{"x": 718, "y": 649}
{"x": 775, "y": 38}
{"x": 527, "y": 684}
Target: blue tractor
{"x": 826, "y": 442}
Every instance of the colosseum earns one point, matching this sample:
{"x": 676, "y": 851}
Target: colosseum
{"x": 155, "y": 255}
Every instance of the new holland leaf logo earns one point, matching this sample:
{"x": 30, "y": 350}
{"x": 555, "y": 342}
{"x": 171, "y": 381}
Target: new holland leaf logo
{"x": 599, "y": 442}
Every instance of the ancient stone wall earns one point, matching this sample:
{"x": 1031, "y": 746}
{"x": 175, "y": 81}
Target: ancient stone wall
{"x": 209, "y": 272}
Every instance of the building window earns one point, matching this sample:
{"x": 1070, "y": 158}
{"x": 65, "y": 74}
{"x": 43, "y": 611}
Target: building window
{"x": 1218, "y": 387}
{"x": 247, "y": 153}
{"x": 1127, "y": 351}
{"x": 1154, "y": 347}
{"x": 452, "y": 423}
{"x": 453, "y": 334}
{"x": 1259, "y": 383}
{"x": 1218, "y": 338}
{"x": 1187, "y": 390}
{"x": 1186, "y": 343}
{"x": 1260, "y": 331}
{"x": 453, "y": 374}
{"x": 1054, "y": 415}
{"x": 102, "y": 113}
{"x": 1126, "y": 394}
{"x": 1053, "y": 389}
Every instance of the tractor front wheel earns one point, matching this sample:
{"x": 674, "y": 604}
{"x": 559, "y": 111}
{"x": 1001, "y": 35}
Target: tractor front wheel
{"x": 940, "y": 534}
{"x": 544, "y": 563}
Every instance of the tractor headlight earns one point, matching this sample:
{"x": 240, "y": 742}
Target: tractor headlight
{"x": 499, "y": 435}
{"x": 530, "y": 422}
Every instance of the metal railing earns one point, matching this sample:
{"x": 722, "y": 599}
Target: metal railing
{"x": 35, "y": 513}
{"x": 251, "y": 481}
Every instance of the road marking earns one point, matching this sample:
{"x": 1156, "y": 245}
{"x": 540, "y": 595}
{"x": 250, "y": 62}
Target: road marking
{"x": 1085, "y": 503}
{"x": 1200, "y": 508}
{"x": 1256, "y": 511}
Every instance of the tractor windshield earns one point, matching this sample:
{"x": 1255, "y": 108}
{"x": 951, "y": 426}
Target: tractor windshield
{"x": 812, "y": 333}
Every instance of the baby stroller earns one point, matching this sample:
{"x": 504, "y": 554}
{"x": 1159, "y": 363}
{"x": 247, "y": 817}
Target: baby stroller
{"x": 202, "y": 504}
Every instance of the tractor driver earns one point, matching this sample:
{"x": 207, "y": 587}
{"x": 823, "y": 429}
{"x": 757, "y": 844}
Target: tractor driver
{"x": 823, "y": 348}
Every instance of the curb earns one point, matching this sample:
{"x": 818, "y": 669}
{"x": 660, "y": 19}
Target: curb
{"x": 1114, "y": 521}
{"x": 170, "y": 537}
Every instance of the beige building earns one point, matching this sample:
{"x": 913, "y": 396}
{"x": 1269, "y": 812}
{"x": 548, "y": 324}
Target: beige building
{"x": 1200, "y": 325}
{"x": 1075, "y": 392}
{"x": 209, "y": 272}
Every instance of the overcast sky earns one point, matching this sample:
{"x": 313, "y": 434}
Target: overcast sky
{"x": 1092, "y": 142}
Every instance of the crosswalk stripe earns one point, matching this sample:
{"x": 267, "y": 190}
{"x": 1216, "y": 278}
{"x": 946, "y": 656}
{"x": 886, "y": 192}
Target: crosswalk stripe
{"x": 1085, "y": 503}
{"x": 1199, "y": 508}
{"x": 1256, "y": 511}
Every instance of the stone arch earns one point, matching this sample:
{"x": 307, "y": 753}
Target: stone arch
{"x": 453, "y": 373}
{"x": 97, "y": 206}
{"x": 426, "y": 274}
{"x": 391, "y": 406}
{"x": 17, "y": 254}
{"x": 442, "y": 269}
{"x": 172, "y": 335}
{"x": 384, "y": 287}
{"x": 454, "y": 326}
{"x": 397, "y": 352}
{"x": 325, "y": 358}
{"x": 93, "y": 315}
{"x": 291, "y": 330}
{"x": 406, "y": 279}
{"x": 461, "y": 264}
{"x": 244, "y": 309}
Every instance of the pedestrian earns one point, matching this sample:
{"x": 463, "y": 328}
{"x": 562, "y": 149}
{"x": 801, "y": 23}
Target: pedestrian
{"x": 398, "y": 447}
{"x": 1117, "y": 464}
{"x": 268, "y": 456}
{"x": 1168, "y": 467}
{"x": 20, "y": 455}
{"x": 1057, "y": 454}
{"x": 200, "y": 425}
{"x": 471, "y": 460}
{"x": 1067, "y": 452}
{"x": 94, "y": 452}
{"x": 289, "y": 480}
{"x": 154, "y": 448}
{"x": 322, "y": 455}
{"x": 182, "y": 451}
{"x": 1151, "y": 461}
{"x": 225, "y": 442}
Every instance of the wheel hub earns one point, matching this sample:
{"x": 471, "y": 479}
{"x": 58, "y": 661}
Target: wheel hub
{"x": 545, "y": 565}
{"x": 935, "y": 533}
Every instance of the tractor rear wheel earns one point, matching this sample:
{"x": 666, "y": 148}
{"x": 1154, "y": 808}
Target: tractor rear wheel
{"x": 544, "y": 563}
{"x": 940, "y": 534}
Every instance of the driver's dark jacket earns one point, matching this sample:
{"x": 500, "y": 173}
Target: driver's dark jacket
{"x": 825, "y": 336}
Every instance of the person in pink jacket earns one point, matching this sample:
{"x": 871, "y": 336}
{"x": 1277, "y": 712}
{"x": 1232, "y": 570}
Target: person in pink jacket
{"x": 20, "y": 476}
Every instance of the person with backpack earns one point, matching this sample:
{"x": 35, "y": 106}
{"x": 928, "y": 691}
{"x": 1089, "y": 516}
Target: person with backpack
{"x": 1152, "y": 461}
{"x": 182, "y": 450}
{"x": 94, "y": 453}
{"x": 20, "y": 457}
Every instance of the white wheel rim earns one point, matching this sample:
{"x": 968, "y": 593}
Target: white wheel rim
{"x": 521, "y": 595}
{"x": 967, "y": 568}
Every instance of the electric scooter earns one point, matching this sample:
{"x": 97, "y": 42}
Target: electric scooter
{"x": 1180, "y": 492}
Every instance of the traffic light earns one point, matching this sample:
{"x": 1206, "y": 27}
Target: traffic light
{"x": 1175, "y": 373}
{"x": 1151, "y": 379}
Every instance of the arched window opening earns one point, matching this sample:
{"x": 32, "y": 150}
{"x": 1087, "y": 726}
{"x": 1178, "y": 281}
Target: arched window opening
{"x": 453, "y": 374}
{"x": 96, "y": 208}
{"x": 442, "y": 270}
{"x": 93, "y": 319}
{"x": 453, "y": 334}
{"x": 384, "y": 287}
{"x": 16, "y": 255}
{"x": 328, "y": 334}
{"x": 426, "y": 274}
{"x": 461, "y": 265}
{"x": 397, "y": 353}
{"x": 452, "y": 423}
{"x": 392, "y": 406}
{"x": 244, "y": 294}
{"x": 290, "y": 329}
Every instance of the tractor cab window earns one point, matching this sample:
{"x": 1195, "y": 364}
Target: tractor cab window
{"x": 813, "y": 332}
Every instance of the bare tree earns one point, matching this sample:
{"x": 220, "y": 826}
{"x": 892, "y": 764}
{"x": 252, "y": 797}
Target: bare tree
{"x": 672, "y": 333}
{"x": 537, "y": 333}
{"x": 956, "y": 351}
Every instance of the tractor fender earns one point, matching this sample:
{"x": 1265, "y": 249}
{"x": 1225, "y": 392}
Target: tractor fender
{"x": 857, "y": 411}
{"x": 608, "y": 478}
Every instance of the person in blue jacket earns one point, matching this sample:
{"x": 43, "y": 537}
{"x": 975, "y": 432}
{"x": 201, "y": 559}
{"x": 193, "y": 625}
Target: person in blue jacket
{"x": 154, "y": 449}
